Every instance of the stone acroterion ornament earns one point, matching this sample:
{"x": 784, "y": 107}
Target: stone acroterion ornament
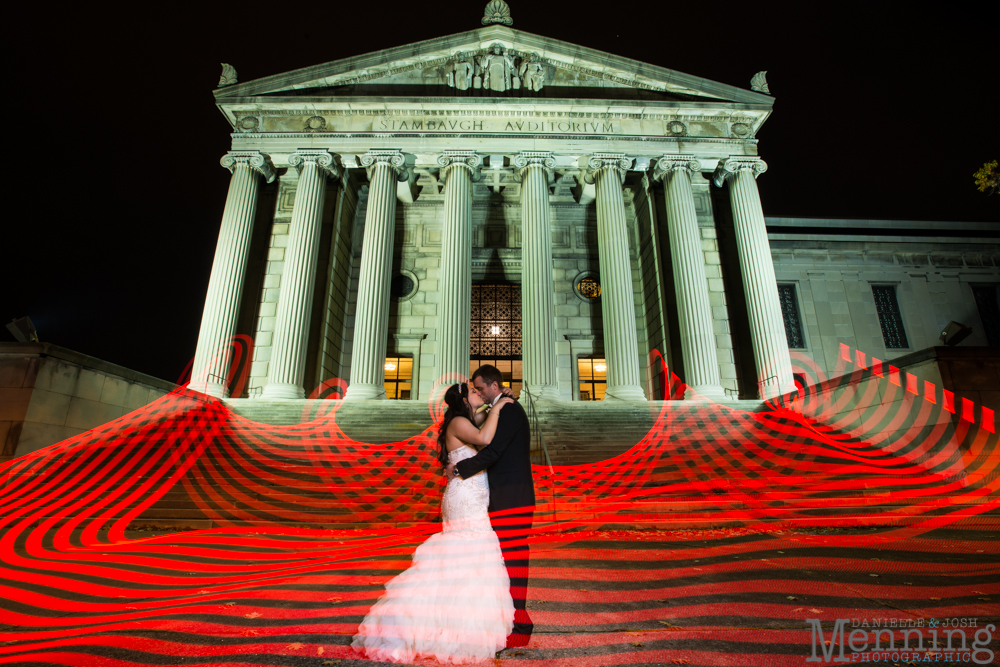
{"x": 228, "y": 77}
{"x": 497, "y": 11}
{"x": 758, "y": 83}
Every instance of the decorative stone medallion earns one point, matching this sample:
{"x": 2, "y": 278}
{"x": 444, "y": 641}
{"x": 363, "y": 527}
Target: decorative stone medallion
{"x": 248, "y": 124}
{"x": 315, "y": 124}
{"x": 676, "y": 127}
{"x": 403, "y": 286}
{"x": 741, "y": 129}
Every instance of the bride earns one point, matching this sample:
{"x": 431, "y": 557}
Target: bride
{"x": 453, "y": 604}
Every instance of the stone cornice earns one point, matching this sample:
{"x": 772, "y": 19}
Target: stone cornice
{"x": 256, "y": 160}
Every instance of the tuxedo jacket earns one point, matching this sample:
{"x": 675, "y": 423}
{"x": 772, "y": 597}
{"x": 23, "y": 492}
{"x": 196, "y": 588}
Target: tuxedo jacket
{"x": 507, "y": 461}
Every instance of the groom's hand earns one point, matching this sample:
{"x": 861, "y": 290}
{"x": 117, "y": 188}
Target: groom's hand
{"x": 449, "y": 472}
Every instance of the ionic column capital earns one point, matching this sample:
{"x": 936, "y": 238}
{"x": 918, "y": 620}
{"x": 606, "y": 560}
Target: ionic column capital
{"x": 256, "y": 160}
{"x": 538, "y": 159}
{"x": 469, "y": 160}
{"x": 671, "y": 163}
{"x": 733, "y": 165}
{"x": 616, "y": 163}
{"x": 325, "y": 161}
{"x": 389, "y": 156}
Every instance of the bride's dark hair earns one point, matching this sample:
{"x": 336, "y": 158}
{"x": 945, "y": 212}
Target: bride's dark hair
{"x": 455, "y": 399}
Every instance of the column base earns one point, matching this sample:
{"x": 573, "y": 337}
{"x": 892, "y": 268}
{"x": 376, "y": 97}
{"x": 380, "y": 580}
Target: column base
{"x": 361, "y": 392}
{"x": 712, "y": 391}
{"x": 214, "y": 389}
{"x": 624, "y": 393}
{"x": 282, "y": 390}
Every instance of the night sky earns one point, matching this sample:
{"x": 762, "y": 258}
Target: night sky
{"x": 883, "y": 110}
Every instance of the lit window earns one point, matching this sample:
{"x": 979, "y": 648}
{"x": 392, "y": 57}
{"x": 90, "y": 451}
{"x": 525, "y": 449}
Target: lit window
{"x": 593, "y": 378}
{"x": 398, "y": 378}
{"x": 588, "y": 287}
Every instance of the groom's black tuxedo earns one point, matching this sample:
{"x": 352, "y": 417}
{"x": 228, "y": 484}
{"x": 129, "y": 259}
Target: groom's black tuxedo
{"x": 507, "y": 461}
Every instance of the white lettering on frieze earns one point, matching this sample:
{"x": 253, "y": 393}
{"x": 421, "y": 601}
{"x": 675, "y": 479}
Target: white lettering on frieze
{"x": 389, "y": 124}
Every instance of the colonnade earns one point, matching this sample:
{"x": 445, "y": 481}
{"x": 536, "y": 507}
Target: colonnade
{"x": 458, "y": 171}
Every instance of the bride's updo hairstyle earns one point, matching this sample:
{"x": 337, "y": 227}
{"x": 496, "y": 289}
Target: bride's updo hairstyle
{"x": 455, "y": 399}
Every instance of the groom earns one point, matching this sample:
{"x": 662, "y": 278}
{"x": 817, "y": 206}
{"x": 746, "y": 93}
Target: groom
{"x": 508, "y": 464}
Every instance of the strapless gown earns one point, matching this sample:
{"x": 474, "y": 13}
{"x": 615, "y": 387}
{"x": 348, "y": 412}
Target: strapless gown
{"x": 453, "y": 603}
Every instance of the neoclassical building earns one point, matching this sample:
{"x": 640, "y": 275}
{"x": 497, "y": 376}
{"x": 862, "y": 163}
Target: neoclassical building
{"x": 495, "y": 196}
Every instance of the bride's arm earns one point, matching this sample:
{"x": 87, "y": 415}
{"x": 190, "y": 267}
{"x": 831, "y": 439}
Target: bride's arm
{"x": 465, "y": 431}
{"x": 480, "y": 416}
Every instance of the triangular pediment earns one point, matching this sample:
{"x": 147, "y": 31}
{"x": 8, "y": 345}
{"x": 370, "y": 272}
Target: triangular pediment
{"x": 428, "y": 68}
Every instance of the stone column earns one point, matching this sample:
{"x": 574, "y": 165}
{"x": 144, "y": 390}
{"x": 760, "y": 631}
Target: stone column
{"x": 455, "y": 309}
{"x": 694, "y": 313}
{"x": 225, "y": 286}
{"x": 287, "y": 367}
{"x": 371, "y": 320}
{"x": 538, "y": 312}
{"x": 621, "y": 349}
{"x": 767, "y": 329}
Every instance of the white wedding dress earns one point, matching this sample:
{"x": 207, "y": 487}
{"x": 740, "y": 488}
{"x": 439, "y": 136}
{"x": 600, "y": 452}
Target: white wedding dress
{"x": 453, "y": 603}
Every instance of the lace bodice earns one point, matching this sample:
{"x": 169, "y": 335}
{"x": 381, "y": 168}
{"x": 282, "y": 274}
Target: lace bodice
{"x": 465, "y": 503}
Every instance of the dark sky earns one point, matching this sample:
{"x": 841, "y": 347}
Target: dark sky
{"x": 883, "y": 110}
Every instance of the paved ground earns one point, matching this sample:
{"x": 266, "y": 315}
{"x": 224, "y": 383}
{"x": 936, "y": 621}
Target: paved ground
{"x": 696, "y": 597}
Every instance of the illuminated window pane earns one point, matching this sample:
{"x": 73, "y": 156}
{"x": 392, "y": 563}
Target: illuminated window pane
{"x": 593, "y": 375}
{"x": 398, "y": 374}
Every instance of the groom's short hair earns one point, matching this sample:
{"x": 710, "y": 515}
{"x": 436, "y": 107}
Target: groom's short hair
{"x": 490, "y": 374}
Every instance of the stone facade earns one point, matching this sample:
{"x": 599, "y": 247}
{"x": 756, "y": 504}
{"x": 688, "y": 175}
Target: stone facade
{"x": 569, "y": 161}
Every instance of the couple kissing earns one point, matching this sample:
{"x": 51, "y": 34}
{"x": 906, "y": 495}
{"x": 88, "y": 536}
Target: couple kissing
{"x": 463, "y": 597}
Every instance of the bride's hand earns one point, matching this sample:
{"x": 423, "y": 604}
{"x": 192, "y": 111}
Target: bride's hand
{"x": 507, "y": 391}
{"x": 502, "y": 402}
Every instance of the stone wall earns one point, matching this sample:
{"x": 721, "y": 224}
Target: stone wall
{"x": 49, "y": 393}
{"x": 833, "y": 268}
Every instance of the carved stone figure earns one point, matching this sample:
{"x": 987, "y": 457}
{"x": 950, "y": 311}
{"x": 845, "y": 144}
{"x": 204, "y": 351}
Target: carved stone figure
{"x": 758, "y": 83}
{"x": 497, "y": 11}
{"x": 532, "y": 73}
{"x": 228, "y": 77}
{"x": 460, "y": 72}
{"x": 497, "y": 66}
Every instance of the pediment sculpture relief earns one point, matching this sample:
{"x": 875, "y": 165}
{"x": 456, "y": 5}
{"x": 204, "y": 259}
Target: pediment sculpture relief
{"x": 461, "y": 71}
{"x": 496, "y": 70}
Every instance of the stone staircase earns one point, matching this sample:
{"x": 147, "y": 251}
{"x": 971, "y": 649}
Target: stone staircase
{"x": 575, "y": 434}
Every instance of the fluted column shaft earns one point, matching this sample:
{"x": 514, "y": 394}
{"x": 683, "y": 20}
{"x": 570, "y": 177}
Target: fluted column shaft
{"x": 538, "y": 312}
{"x": 455, "y": 308}
{"x": 225, "y": 286}
{"x": 617, "y": 300}
{"x": 694, "y": 312}
{"x": 767, "y": 329}
{"x": 371, "y": 320}
{"x": 287, "y": 367}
